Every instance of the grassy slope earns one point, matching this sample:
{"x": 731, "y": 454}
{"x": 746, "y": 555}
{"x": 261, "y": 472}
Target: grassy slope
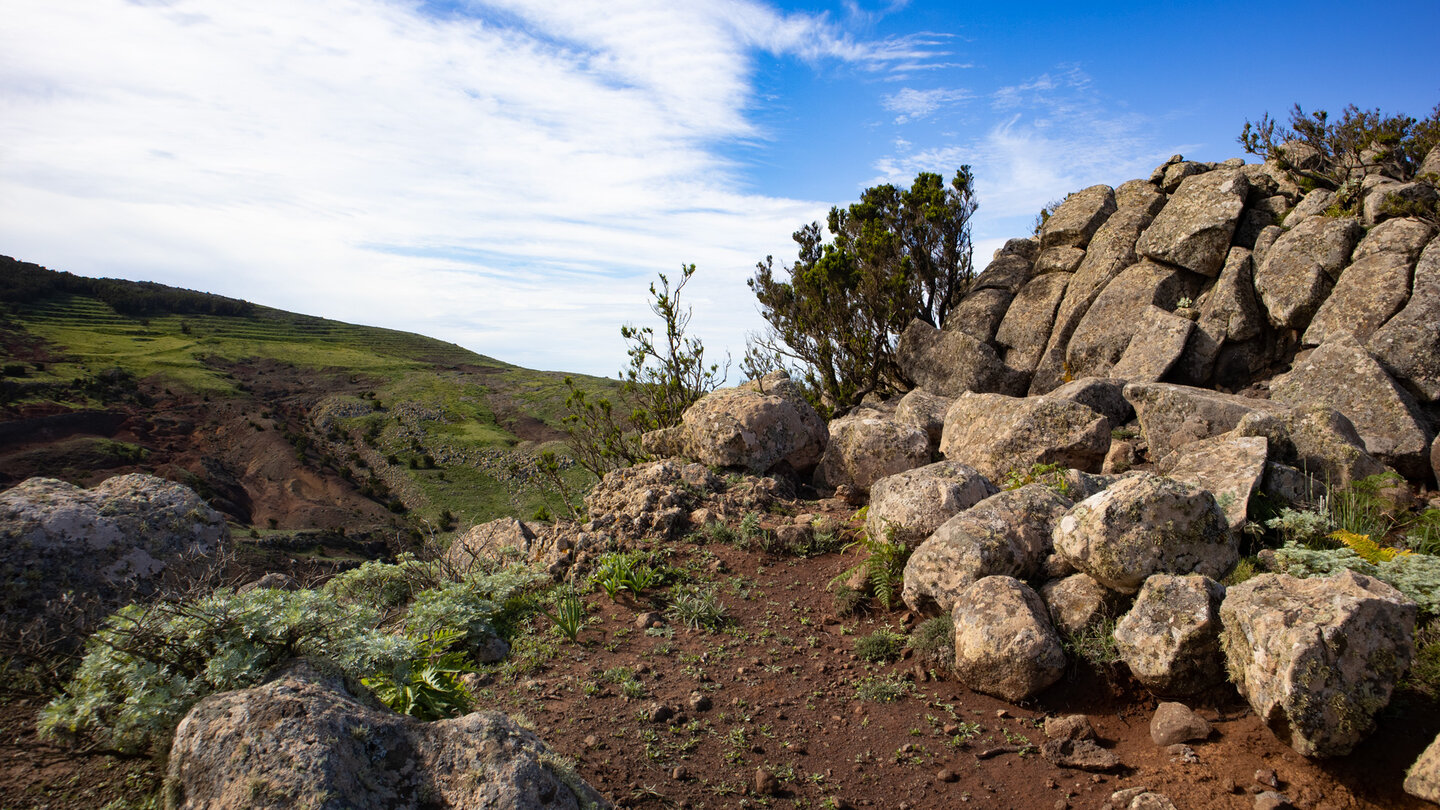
{"x": 408, "y": 373}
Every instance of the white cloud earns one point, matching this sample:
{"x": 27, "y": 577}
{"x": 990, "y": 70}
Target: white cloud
{"x": 508, "y": 176}
{"x": 912, "y": 104}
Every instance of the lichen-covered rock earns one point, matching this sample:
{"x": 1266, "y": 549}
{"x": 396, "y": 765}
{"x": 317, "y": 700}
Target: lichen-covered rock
{"x": 1027, "y": 323}
{"x": 1194, "y": 229}
{"x": 1388, "y": 200}
{"x": 866, "y": 446}
{"x": 1141, "y": 196}
{"x": 1229, "y": 466}
{"x": 1422, "y": 780}
{"x": 1375, "y": 285}
{"x": 997, "y": 434}
{"x": 1174, "y": 415}
{"x": 1159, "y": 340}
{"x": 926, "y": 411}
{"x": 1007, "y": 533}
{"x": 1008, "y": 271}
{"x": 980, "y": 312}
{"x": 1408, "y": 345}
{"x": 302, "y": 740}
{"x": 1299, "y": 270}
{"x": 653, "y": 499}
{"x": 757, "y": 425}
{"x": 1317, "y": 658}
{"x": 1110, "y": 324}
{"x": 1077, "y": 602}
{"x": 1004, "y": 644}
{"x": 1145, "y": 525}
{"x": 1228, "y": 313}
{"x": 1059, "y": 259}
{"x": 1315, "y": 203}
{"x": 129, "y": 536}
{"x": 908, "y": 507}
{"x": 1078, "y": 218}
{"x": 951, "y": 363}
{"x": 1104, "y": 395}
{"x": 1315, "y": 438}
{"x": 486, "y": 541}
{"x": 1259, "y": 215}
{"x": 1343, "y": 376}
{"x": 1170, "y": 639}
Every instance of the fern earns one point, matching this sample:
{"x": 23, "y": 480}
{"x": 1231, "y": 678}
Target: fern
{"x": 429, "y": 685}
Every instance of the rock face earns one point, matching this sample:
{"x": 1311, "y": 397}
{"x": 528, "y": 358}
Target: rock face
{"x": 1301, "y": 267}
{"x": 756, "y": 426}
{"x": 1230, "y": 467}
{"x": 1005, "y": 534}
{"x": 1343, "y": 376}
{"x": 1408, "y": 345}
{"x": 648, "y": 500}
{"x": 485, "y": 542}
{"x": 1315, "y": 438}
{"x": 1374, "y": 287}
{"x": 866, "y": 446}
{"x": 1170, "y": 639}
{"x": 124, "y": 538}
{"x": 1174, "y": 415}
{"x": 908, "y": 507}
{"x": 1159, "y": 340}
{"x": 1004, "y": 644}
{"x": 997, "y": 434}
{"x": 925, "y": 411}
{"x": 1146, "y": 525}
{"x": 1193, "y": 230}
{"x": 1109, "y": 325}
{"x": 304, "y": 741}
{"x": 1317, "y": 658}
{"x": 952, "y": 362}
{"x": 1078, "y": 218}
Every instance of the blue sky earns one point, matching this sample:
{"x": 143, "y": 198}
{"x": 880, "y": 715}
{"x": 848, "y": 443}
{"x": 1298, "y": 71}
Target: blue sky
{"x": 509, "y": 175}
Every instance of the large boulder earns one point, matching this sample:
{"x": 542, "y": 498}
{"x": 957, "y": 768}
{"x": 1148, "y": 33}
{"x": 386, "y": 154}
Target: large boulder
{"x": 1007, "y": 533}
{"x": 1145, "y": 525}
{"x": 1422, "y": 780}
{"x": 1300, "y": 269}
{"x": 756, "y": 426}
{"x": 1104, "y": 395}
{"x": 1228, "y": 313}
{"x": 131, "y": 536}
{"x": 998, "y": 435}
{"x": 1170, "y": 639}
{"x": 1159, "y": 340}
{"x": 909, "y": 506}
{"x": 1408, "y": 345}
{"x": 302, "y": 740}
{"x": 1110, "y": 324}
{"x": 1078, "y": 218}
{"x": 980, "y": 312}
{"x": 1027, "y": 323}
{"x": 1194, "y": 229}
{"x": 486, "y": 542}
{"x": 1008, "y": 271}
{"x": 952, "y": 362}
{"x": 1317, "y": 658}
{"x": 1077, "y": 602}
{"x": 1004, "y": 644}
{"x": 650, "y": 500}
{"x": 866, "y": 446}
{"x": 1375, "y": 285}
{"x": 1173, "y": 415}
{"x": 924, "y": 410}
{"x": 1343, "y": 376}
{"x": 1059, "y": 259}
{"x": 1231, "y": 467}
{"x": 1313, "y": 438}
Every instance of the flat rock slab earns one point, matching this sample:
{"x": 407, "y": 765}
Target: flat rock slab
{"x": 998, "y": 435}
{"x": 1230, "y": 467}
{"x": 1193, "y": 230}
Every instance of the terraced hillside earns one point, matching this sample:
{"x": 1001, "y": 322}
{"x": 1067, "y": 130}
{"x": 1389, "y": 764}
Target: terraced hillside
{"x": 283, "y": 421}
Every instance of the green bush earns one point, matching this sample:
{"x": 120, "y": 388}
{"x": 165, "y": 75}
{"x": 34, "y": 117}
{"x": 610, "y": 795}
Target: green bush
{"x": 384, "y": 586}
{"x": 934, "y": 641}
{"x": 1415, "y": 575}
{"x": 880, "y": 647}
{"x": 427, "y": 686}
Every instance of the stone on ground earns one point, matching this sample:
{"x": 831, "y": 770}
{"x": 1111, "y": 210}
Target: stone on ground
{"x": 908, "y": 507}
{"x": 1170, "y": 639}
{"x": 1004, "y": 644}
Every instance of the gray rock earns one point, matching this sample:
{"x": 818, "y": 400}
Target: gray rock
{"x": 1004, "y": 644}
{"x": 1060, "y": 259}
{"x": 1110, "y": 323}
{"x": 131, "y": 536}
{"x": 653, "y": 499}
{"x": 1231, "y": 310}
{"x": 951, "y": 362}
{"x": 1145, "y": 525}
{"x": 303, "y": 741}
{"x": 979, "y": 313}
{"x": 1408, "y": 345}
{"x": 1077, "y": 602}
{"x": 1140, "y": 196}
{"x": 1151, "y": 801}
{"x": 1343, "y": 376}
{"x": 924, "y": 410}
{"x": 1422, "y": 780}
{"x": 755, "y": 426}
{"x": 272, "y": 581}
{"x": 1299, "y": 270}
{"x": 1110, "y": 252}
{"x": 1082, "y": 755}
{"x": 1008, "y": 272}
{"x": 866, "y": 446}
{"x": 1175, "y": 723}
{"x": 1317, "y": 658}
{"x": 998, "y": 435}
{"x": 1229, "y": 466}
{"x": 1176, "y": 173}
{"x": 1374, "y": 287}
{"x": 1313, "y": 438}
{"x": 1258, "y": 216}
{"x": 1173, "y": 415}
{"x": 908, "y": 507}
{"x": 1159, "y": 340}
{"x": 1194, "y": 229}
{"x": 484, "y": 543}
{"x": 1026, "y": 327}
{"x": 1104, "y": 395}
{"x": 1170, "y": 639}
{"x": 1005, "y": 534}
{"x": 1405, "y": 237}
{"x": 1078, "y": 218}
{"x": 1315, "y": 204}
{"x": 1431, "y": 165}
{"x": 1263, "y": 242}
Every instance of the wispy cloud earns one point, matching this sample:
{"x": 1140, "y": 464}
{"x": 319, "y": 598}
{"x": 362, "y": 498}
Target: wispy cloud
{"x": 381, "y": 162}
{"x": 912, "y": 104}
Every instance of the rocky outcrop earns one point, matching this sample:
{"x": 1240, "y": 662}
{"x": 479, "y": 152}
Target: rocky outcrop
{"x": 1146, "y": 525}
{"x": 1170, "y": 639}
{"x": 1300, "y": 269}
{"x": 866, "y": 446}
{"x": 648, "y": 500}
{"x": 755, "y": 426}
{"x": 1174, "y": 415}
{"x": 952, "y": 362}
{"x": 1110, "y": 324}
{"x": 1004, "y": 644}
{"x": 926, "y": 411}
{"x": 1317, "y": 658}
{"x": 1408, "y": 345}
{"x": 1374, "y": 287}
{"x": 908, "y": 507}
{"x": 1193, "y": 230}
{"x": 1313, "y": 438}
{"x": 1006, "y": 534}
{"x": 997, "y": 434}
{"x": 302, "y": 740}
{"x": 1159, "y": 340}
{"x": 129, "y": 537}
{"x": 1026, "y": 327}
{"x": 1078, "y": 218}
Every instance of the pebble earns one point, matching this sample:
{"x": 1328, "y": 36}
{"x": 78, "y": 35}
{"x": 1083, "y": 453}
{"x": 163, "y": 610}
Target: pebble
{"x": 947, "y": 775}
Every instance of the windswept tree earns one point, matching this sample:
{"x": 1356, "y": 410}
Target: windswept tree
{"x": 838, "y": 311}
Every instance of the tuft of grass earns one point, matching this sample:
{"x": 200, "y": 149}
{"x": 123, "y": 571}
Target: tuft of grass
{"x": 880, "y": 647}
{"x": 882, "y": 688}
{"x": 1424, "y": 675}
{"x": 697, "y": 607}
{"x": 1095, "y": 644}
{"x": 934, "y": 641}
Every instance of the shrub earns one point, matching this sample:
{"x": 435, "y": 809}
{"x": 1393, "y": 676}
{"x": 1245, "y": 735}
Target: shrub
{"x": 884, "y": 567}
{"x": 427, "y": 686}
{"x": 934, "y": 641}
{"x": 880, "y": 647}
{"x": 1415, "y": 575}
{"x": 383, "y": 586}
{"x": 882, "y": 688}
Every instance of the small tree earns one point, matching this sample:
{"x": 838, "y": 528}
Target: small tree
{"x": 895, "y": 255}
